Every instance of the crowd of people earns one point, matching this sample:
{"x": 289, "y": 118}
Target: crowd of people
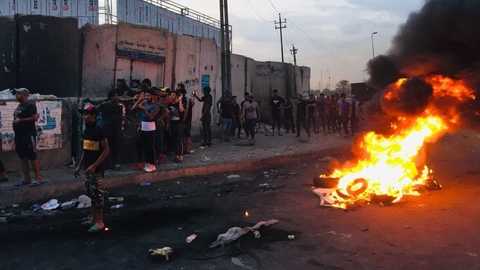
{"x": 166, "y": 119}
{"x": 165, "y": 128}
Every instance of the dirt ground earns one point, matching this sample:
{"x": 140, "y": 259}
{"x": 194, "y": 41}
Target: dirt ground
{"x": 433, "y": 231}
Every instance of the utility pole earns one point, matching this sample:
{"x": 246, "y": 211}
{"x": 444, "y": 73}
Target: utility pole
{"x": 280, "y": 27}
{"x": 226, "y": 71}
{"x": 294, "y": 52}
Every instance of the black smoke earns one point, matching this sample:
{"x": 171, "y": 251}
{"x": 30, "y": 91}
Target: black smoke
{"x": 443, "y": 37}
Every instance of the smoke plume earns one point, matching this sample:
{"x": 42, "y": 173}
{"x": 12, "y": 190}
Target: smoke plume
{"x": 442, "y": 38}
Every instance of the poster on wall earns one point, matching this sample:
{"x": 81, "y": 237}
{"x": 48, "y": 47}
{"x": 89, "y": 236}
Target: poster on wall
{"x": 69, "y": 8}
{"x": 160, "y": 17}
{"x": 143, "y": 43}
{"x": 205, "y": 81}
{"x": 49, "y": 125}
{"x": 38, "y": 7}
{"x": 6, "y": 9}
{"x": 22, "y": 7}
{"x": 49, "y": 128}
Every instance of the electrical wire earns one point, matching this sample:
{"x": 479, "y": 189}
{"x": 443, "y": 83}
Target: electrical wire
{"x": 257, "y": 13}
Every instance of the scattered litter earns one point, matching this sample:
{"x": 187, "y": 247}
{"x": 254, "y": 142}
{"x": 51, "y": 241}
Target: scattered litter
{"x": 292, "y": 173}
{"x": 291, "y": 236}
{"x": 471, "y": 254}
{"x": 232, "y": 176}
{"x": 239, "y": 262}
{"x": 265, "y": 172}
{"x": 256, "y": 234}
{"x": 115, "y": 199}
{"x": 326, "y": 159}
{"x": 191, "y": 238}
{"x": 3, "y": 219}
{"x": 235, "y": 232}
{"x": 160, "y": 254}
{"x": 263, "y": 185}
{"x": 341, "y": 234}
{"x": 145, "y": 184}
{"x": 408, "y": 226}
{"x": 15, "y": 205}
{"x": 84, "y": 202}
{"x": 70, "y": 204}
{"x": 205, "y": 158}
{"x": 50, "y": 205}
{"x": 117, "y": 206}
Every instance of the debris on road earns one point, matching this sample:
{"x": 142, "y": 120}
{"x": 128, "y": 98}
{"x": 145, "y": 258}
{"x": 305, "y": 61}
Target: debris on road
{"x": 205, "y": 158}
{"x": 233, "y": 176}
{"x": 291, "y": 236}
{"x": 160, "y": 254}
{"x": 191, "y": 238}
{"x": 145, "y": 184}
{"x": 50, "y": 205}
{"x": 84, "y": 202}
{"x": 70, "y": 204}
{"x": 117, "y": 206}
{"x": 235, "y": 232}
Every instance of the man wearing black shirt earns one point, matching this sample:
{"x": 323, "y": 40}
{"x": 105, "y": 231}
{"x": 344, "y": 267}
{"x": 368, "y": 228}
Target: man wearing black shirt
{"x": 236, "y": 117}
{"x": 226, "y": 115}
{"x": 112, "y": 117}
{"x": 25, "y": 116}
{"x": 277, "y": 103}
{"x": 311, "y": 107}
{"x": 95, "y": 150}
{"x": 301, "y": 115}
{"x": 176, "y": 123}
{"x": 288, "y": 114}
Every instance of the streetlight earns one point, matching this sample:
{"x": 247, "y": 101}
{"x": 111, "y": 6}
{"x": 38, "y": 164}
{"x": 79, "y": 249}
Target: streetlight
{"x": 328, "y": 79}
{"x": 373, "y": 48}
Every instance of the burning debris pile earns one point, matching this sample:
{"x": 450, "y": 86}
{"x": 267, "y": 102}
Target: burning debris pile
{"x": 428, "y": 83}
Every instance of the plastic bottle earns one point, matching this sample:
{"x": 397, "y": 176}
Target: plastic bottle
{"x": 117, "y": 206}
{"x": 144, "y": 184}
{"x": 115, "y": 199}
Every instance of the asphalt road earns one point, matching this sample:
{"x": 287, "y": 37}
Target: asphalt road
{"x": 438, "y": 230}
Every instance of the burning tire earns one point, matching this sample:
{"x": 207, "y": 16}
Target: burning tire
{"x": 357, "y": 187}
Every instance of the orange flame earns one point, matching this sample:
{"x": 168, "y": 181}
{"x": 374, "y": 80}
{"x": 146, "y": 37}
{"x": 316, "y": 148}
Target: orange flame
{"x": 390, "y": 165}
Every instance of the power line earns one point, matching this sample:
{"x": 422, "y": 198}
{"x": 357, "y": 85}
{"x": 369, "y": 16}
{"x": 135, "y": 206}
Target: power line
{"x": 257, "y": 13}
{"x": 273, "y": 6}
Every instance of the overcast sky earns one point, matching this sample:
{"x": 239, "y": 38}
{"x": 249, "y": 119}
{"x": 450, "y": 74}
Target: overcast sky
{"x": 333, "y": 35}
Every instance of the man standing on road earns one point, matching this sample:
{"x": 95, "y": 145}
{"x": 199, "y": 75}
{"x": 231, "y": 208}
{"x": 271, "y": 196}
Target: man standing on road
{"x": 112, "y": 117}
{"x": 301, "y": 115}
{"x": 311, "y": 107}
{"x": 242, "y": 113}
{"x": 24, "y": 118}
{"x": 321, "y": 113}
{"x": 277, "y": 103}
{"x": 251, "y": 116}
{"x": 226, "y": 115}
{"x": 288, "y": 115}
{"x": 146, "y": 140}
{"x": 206, "y": 117}
{"x": 237, "y": 124}
{"x": 345, "y": 112}
{"x": 176, "y": 123}
{"x": 95, "y": 150}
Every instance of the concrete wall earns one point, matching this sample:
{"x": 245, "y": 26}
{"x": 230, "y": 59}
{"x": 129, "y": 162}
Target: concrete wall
{"x": 8, "y": 53}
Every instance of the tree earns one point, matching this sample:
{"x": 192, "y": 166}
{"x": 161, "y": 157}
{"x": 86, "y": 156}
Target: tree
{"x": 343, "y": 86}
